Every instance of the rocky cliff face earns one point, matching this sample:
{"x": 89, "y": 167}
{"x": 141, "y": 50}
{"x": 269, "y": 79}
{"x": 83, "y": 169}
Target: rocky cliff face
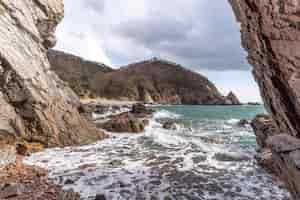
{"x": 271, "y": 35}
{"x": 35, "y": 105}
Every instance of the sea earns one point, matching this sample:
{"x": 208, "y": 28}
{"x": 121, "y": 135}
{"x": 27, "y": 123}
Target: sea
{"x": 208, "y": 157}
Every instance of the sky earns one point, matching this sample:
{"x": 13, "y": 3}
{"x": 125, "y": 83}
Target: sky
{"x": 200, "y": 35}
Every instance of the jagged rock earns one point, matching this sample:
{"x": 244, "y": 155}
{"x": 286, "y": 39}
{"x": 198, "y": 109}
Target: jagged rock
{"x": 286, "y": 156}
{"x": 231, "y": 99}
{"x": 125, "y": 123}
{"x": 264, "y": 127}
{"x": 264, "y": 157}
{"x": 271, "y": 36}
{"x": 35, "y": 104}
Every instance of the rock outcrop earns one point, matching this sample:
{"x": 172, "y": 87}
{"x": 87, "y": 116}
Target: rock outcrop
{"x": 134, "y": 121}
{"x": 35, "y": 105}
{"x": 264, "y": 128}
{"x": 271, "y": 35}
{"x": 231, "y": 99}
{"x": 151, "y": 81}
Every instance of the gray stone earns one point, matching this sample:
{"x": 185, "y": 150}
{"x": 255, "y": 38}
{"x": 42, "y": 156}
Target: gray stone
{"x": 283, "y": 143}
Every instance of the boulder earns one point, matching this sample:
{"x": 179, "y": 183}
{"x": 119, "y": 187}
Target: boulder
{"x": 264, "y": 127}
{"x": 170, "y": 125}
{"x": 243, "y": 122}
{"x": 125, "y": 123}
{"x": 9, "y": 191}
{"x": 141, "y": 109}
{"x": 25, "y": 148}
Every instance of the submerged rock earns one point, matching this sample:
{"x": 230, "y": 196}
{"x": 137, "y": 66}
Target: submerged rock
{"x": 100, "y": 197}
{"x": 230, "y": 157}
{"x": 170, "y": 125}
{"x": 243, "y": 122}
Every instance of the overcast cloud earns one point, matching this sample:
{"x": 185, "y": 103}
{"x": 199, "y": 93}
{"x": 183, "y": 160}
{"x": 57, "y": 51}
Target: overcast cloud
{"x": 197, "y": 33}
{"x": 200, "y": 34}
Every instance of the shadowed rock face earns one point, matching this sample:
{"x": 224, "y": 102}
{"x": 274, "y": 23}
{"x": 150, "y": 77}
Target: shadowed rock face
{"x": 271, "y": 35}
{"x": 35, "y": 104}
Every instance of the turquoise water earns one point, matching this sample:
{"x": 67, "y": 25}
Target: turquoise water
{"x": 208, "y": 157}
{"x": 214, "y": 112}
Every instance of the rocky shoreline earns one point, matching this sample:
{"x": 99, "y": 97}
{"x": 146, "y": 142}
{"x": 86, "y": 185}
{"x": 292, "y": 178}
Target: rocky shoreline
{"x": 21, "y": 182}
{"x": 278, "y": 153}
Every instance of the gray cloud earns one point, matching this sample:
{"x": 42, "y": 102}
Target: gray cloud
{"x": 199, "y": 34}
{"x": 95, "y": 5}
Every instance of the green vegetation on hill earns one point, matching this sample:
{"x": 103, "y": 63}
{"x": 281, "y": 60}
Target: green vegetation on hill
{"x": 151, "y": 81}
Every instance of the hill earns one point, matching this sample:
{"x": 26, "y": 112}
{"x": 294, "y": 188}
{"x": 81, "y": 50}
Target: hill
{"x": 150, "y": 81}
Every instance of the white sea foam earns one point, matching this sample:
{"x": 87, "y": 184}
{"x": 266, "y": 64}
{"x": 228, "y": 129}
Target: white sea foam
{"x": 163, "y": 163}
{"x": 166, "y": 114}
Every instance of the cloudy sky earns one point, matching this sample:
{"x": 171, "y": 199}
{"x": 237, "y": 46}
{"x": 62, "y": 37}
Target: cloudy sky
{"x": 198, "y": 34}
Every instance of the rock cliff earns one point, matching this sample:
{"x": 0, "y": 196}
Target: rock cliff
{"x": 271, "y": 35}
{"x": 35, "y": 105}
{"x": 151, "y": 81}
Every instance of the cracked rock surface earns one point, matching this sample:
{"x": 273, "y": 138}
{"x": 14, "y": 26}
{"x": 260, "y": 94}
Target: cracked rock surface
{"x": 271, "y": 35}
{"x": 35, "y": 105}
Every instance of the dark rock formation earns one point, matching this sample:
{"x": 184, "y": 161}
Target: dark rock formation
{"x": 134, "y": 121}
{"x": 243, "y": 123}
{"x": 35, "y": 105}
{"x": 231, "y": 99}
{"x": 264, "y": 128}
{"x": 152, "y": 81}
{"x": 125, "y": 123}
{"x": 286, "y": 156}
{"x": 270, "y": 34}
